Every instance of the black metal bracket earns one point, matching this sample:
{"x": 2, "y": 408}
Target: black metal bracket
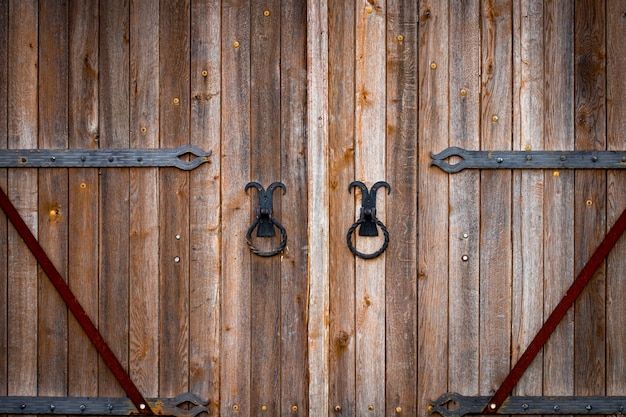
{"x": 184, "y": 405}
{"x": 528, "y": 159}
{"x": 265, "y": 222}
{"x": 368, "y": 223}
{"x": 104, "y": 158}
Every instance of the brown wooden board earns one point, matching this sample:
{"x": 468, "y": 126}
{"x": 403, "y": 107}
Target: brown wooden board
{"x": 4, "y": 281}
{"x": 53, "y": 196}
{"x": 143, "y": 199}
{"x": 590, "y": 195}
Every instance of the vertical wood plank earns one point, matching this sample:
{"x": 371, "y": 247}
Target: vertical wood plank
{"x": 235, "y": 142}
{"x": 174, "y": 103}
{"x": 114, "y": 194}
{"x": 369, "y": 151}
{"x": 433, "y": 203}
{"x": 144, "y": 198}
{"x": 205, "y": 256}
{"x": 83, "y": 194}
{"x": 528, "y": 218}
{"x": 22, "y": 190}
{"x": 464, "y": 217}
{"x": 318, "y": 203}
{"x": 590, "y": 195}
{"x": 342, "y": 356}
{"x": 53, "y": 198}
{"x": 401, "y": 173}
{"x": 616, "y": 181}
{"x": 495, "y": 196}
{"x": 293, "y": 332}
{"x": 4, "y": 135}
{"x": 265, "y": 168}
{"x": 558, "y": 258}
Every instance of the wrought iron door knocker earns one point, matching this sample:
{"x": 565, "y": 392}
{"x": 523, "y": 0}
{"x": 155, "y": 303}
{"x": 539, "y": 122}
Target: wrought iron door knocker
{"x": 265, "y": 222}
{"x": 368, "y": 223}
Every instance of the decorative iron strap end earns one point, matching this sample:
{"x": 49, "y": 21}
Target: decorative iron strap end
{"x": 368, "y": 223}
{"x": 527, "y": 159}
{"x": 184, "y": 405}
{"x": 264, "y": 221}
{"x": 455, "y": 405}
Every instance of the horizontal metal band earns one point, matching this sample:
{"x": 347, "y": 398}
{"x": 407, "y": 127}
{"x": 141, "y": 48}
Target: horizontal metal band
{"x": 528, "y": 159}
{"x": 104, "y": 158}
{"x": 102, "y": 406}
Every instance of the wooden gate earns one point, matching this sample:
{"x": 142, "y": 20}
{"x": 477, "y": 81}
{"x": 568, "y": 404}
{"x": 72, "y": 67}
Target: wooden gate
{"x": 315, "y": 95}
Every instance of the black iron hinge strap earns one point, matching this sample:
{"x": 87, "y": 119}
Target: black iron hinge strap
{"x": 74, "y": 306}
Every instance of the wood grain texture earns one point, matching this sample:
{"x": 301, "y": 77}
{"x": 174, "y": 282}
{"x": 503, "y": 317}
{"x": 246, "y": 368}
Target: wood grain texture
{"x": 144, "y": 198}
{"x": 53, "y": 196}
{"x": 114, "y": 189}
{"x": 495, "y": 196}
{"x": 204, "y": 204}
{"x": 342, "y": 356}
{"x": 22, "y": 191}
{"x": 616, "y": 135}
{"x": 318, "y": 202}
{"x": 590, "y": 194}
{"x": 369, "y": 152}
{"x": 464, "y": 212}
{"x": 294, "y": 285}
{"x": 528, "y": 217}
{"x": 235, "y": 257}
{"x": 4, "y": 136}
{"x": 174, "y": 102}
{"x": 401, "y": 173}
{"x": 558, "y": 369}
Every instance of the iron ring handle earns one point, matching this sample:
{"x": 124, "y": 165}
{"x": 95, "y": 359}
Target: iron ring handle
{"x": 368, "y": 255}
{"x": 276, "y": 251}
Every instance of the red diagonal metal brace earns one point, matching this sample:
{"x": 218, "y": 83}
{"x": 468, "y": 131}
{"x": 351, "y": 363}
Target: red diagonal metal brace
{"x": 557, "y": 315}
{"x": 77, "y": 310}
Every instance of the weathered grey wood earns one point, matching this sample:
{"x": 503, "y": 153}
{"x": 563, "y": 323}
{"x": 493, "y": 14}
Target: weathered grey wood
{"x": 174, "y": 103}
{"x": 144, "y": 199}
{"x": 558, "y": 368}
{"x": 53, "y": 196}
{"x": 235, "y": 257}
{"x": 433, "y": 200}
{"x": 495, "y": 196}
{"x": 616, "y": 133}
{"x": 294, "y": 282}
{"x": 318, "y": 203}
{"x": 204, "y": 204}
{"x": 22, "y": 191}
{"x": 464, "y": 215}
{"x": 590, "y": 195}
{"x": 528, "y": 217}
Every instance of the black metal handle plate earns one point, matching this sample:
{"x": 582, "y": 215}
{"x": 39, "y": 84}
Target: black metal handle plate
{"x": 264, "y": 222}
{"x": 368, "y": 223}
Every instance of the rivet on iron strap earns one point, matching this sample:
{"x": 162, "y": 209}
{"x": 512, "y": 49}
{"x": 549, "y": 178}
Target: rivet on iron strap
{"x": 77, "y": 310}
{"x": 557, "y": 315}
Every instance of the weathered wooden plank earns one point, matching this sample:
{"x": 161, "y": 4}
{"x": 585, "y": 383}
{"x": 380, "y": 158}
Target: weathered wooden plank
{"x": 204, "y": 216}
{"x": 265, "y": 168}
{"x": 401, "y": 173}
{"x": 174, "y": 103}
{"x": 22, "y": 190}
{"x": 558, "y": 369}
{"x": 53, "y": 195}
{"x": 369, "y": 152}
{"x": 4, "y": 136}
{"x": 83, "y": 194}
{"x": 590, "y": 194}
{"x": 294, "y": 282}
{"x": 235, "y": 256}
{"x": 495, "y": 197}
{"x": 341, "y": 32}
{"x": 528, "y": 218}
{"x": 616, "y": 184}
{"x": 113, "y": 91}
{"x": 144, "y": 198}
{"x": 318, "y": 203}
{"x": 464, "y": 217}
{"x": 432, "y": 205}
